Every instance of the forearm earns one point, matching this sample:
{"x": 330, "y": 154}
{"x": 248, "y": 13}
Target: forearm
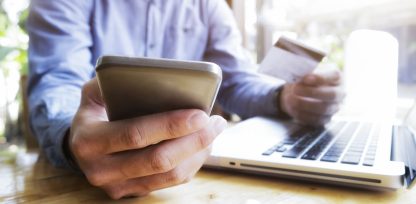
{"x": 59, "y": 65}
{"x": 251, "y": 95}
{"x": 51, "y": 117}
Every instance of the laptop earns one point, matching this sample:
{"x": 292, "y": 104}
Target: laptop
{"x": 362, "y": 148}
{"x": 367, "y": 154}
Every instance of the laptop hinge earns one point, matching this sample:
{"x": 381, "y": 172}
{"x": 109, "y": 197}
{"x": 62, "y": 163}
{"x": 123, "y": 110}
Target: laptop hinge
{"x": 404, "y": 150}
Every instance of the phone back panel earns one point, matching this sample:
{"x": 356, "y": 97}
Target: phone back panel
{"x": 132, "y": 91}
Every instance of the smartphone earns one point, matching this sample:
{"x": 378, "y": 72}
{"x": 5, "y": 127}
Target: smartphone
{"x": 133, "y": 87}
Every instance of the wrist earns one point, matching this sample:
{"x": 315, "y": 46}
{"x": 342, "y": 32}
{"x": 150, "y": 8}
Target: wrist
{"x": 68, "y": 153}
{"x": 281, "y": 111}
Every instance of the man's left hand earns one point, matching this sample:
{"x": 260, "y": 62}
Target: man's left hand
{"x": 315, "y": 99}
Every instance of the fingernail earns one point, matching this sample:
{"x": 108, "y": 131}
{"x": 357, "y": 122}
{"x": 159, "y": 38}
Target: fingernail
{"x": 310, "y": 79}
{"x": 219, "y": 123}
{"x": 198, "y": 120}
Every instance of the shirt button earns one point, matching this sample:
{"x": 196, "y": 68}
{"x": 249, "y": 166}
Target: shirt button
{"x": 152, "y": 46}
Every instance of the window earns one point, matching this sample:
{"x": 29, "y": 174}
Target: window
{"x": 327, "y": 24}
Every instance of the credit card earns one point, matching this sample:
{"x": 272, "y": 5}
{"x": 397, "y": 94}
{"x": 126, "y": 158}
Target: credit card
{"x": 290, "y": 60}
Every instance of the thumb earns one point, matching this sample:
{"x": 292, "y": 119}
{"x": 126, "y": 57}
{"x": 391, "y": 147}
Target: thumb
{"x": 91, "y": 94}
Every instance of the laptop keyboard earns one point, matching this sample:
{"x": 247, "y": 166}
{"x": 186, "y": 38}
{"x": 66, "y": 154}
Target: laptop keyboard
{"x": 348, "y": 143}
{"x": 316, "y": 151}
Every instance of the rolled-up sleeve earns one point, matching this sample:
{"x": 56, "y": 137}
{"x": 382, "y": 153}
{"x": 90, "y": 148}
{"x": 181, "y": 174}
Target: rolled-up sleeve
{"x": 60, "y": 64}
{"x": 243, "y": 91}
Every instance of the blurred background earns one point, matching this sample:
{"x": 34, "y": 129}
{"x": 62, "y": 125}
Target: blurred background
{"x": 13, "y": 66}
{"x": 325, "y": 24}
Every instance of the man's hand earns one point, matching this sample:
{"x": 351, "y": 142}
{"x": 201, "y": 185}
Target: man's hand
{"x": 136, "y": 156}
{"x": 315, "y": 99}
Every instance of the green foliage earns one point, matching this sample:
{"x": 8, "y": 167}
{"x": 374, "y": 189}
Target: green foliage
{"x": 13, "y": 55}
{"x": 11, "y": 34}
{"x": 23, "y": 19}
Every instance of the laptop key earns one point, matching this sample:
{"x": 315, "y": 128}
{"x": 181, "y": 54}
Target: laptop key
{"x": 329, "y": 158}
{"x": 355, "y": 151}
{"x": 335, "y": 151}
{"x": 300, "y": 146}
{"x": 271, "y": 150}
{"x": 289, "y": 141}
{"x": 296, "y": 135}
{"x": 268, "y": 152}
{"x": 370, "y": 155}
{"x": 293, "y": 138}
{"x": 368, "y": 162}
{"x": 314, "y": 152}
{"x": 281, "y": 149}
{"x": 311, "y": 155}
{"x": 351, "y": 159}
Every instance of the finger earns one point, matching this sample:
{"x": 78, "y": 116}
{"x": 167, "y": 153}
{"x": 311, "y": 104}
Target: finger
{"x": 91, "y": 94}
{"x": 181, "y": 174}
{"x": 162, "y": 157}
{"x": 314, "y": 106}
{"x": 324, "y": 93}
{"x": 329, "y": 77}
{"x": 92, "y": 104}
{"x": 147, "y": 130}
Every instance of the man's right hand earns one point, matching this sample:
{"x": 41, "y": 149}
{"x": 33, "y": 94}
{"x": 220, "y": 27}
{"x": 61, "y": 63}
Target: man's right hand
{"x": 136, "y": 156}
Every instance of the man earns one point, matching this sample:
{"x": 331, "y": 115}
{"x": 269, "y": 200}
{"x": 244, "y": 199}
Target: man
{"x": 136, "y": 156}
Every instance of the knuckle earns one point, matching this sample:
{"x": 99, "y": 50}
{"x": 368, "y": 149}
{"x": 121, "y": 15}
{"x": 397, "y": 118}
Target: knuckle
{"x": 160, "y": 161}
{"x": 175, "y": 177}
{"x": 135, "y": 190}
{"x": 204, "y": 139}
{"x": 80, "y": 147}
{"x": 187, "y": 179}
{"x": 144, "y": 189}
{"x": 174, "y": 123}
{"x": 172, "y": 127}
{"x": 133, "y": 137}
{"x": 125, "y": 170}
{"x": 142, "y": 194}
{"x": 95, "y": 179}
{"x": 114, "y": 192}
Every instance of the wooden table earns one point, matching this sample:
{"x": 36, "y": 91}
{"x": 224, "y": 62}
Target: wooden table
{"x": 30, "y": 178}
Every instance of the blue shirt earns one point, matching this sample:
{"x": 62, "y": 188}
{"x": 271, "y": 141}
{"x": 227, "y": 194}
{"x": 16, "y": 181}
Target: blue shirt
{"x": 67, "y": 37}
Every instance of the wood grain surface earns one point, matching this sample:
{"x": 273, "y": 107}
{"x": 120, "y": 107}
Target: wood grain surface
{"x": 31, "y": 179}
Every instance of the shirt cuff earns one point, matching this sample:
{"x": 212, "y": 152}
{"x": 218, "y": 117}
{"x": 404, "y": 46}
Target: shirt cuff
{"x": 51, "y": 131}
{"x": 59, "y": 154}
{"x": 279, "y": 112}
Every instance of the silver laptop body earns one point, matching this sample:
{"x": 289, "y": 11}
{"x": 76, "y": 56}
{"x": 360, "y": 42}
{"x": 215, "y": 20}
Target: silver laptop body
{"x": 365, "y": 154}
